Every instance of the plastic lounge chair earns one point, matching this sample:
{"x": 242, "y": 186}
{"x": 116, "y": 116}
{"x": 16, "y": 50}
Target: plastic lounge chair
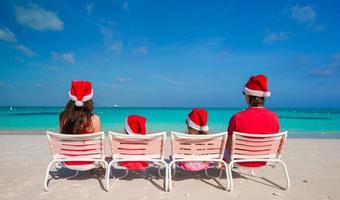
{"x": 75, "y": 147}
{"x": 187, "y": 147}
{"x": 257, "y": 148}
{"x": 150, "y": 147}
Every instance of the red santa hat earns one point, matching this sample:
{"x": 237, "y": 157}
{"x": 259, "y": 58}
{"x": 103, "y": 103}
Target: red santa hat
{"x": 80, "y": 92}
{"x": 197, "y": 119}
{"x": 257, "y": 86}
{"x": 135, "y": 125}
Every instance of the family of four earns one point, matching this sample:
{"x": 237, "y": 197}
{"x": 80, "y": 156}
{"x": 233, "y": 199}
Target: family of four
{"x": 78, "y": 118}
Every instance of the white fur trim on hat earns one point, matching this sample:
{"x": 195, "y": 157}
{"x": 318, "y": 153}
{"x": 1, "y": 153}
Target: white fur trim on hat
{"x": 197, "y": 127}
{"x": 127, "y": 127}
{"x": 85, "y": 98}
{"x": 257, "y": 93}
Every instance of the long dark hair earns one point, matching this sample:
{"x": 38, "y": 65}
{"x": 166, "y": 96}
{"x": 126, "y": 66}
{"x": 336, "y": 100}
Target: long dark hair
{"x": 73, "y": 120}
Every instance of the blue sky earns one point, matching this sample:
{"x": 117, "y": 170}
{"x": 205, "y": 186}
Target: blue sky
{"x": 170, "y": 53}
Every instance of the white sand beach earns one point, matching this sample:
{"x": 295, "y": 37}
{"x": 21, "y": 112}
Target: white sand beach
{"x": 313, "y": 165}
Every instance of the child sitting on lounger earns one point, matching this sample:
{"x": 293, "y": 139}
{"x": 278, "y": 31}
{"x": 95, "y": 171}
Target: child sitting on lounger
{"x": 135, "y": 125}
{"x": 196, "y": 125}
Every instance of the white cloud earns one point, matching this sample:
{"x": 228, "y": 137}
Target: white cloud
{"x": 319, "y": 28}
{"x": 89, "y": 8}
{"x": 275, "y": 36}
{"x": 18, "y": 59}
{"x": 25, "y": 50}
{"x": 169, "y": 80}
{"x": 325, "y": 71}
{"x": 38, "y": 18}
{"x": 303, "y": 14}
{"x": 53, "y": 68}
{"x": 337, "y": 56}
{"x": 45, "y": 66}
{"x": 55, "y": 55}
{"x": 123, "y": 80}
{"x": 328, "y": 70}
{"x": 6, "y": 35}
{"x": 39, "y": 85}
{"x": 2, "y": 85}
{"x": 115, "y": 46}
{"x": 141, "y": 50}
{"x": 125, "y": 5}
{"x": 111, "y": 38}
{"x": 66, "y": 57}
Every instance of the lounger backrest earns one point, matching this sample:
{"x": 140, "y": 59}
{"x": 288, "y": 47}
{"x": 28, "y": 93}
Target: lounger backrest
{"x": 137, "y": 147}
{"x": 75, "y": 147}
{"x": 198, "y": 146}
{"x": 257, "y": 146}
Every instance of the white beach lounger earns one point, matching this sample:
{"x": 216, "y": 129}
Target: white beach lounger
{"x": 185, "y": 147}
{"x": 150, "y": 147}
{"x": 257, "y": 148}
{"x": 75, "y": 147}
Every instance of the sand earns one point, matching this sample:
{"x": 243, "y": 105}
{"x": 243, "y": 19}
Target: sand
{"x": 313, "y": 165}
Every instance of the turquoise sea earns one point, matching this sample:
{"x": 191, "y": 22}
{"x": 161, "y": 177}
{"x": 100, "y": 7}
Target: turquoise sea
{"x": 301, "y": 123}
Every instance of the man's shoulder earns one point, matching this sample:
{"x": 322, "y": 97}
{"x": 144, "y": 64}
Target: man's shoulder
{"x": 240, "y": 115}
{"x": 243, "y": 113}
{"x": 269, "y": 112}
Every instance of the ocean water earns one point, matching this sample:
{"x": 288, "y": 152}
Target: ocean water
{"x": 301, "y": 123}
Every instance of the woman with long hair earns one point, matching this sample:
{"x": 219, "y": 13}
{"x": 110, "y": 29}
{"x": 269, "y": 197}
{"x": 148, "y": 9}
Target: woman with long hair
{"x": 78, "y": 117}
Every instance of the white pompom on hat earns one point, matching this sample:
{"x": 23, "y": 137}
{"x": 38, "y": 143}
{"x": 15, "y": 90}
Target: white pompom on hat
{"x": 257, "y": 86}
{"x": 80, "y": 92}
{"x": 197, "y": 119}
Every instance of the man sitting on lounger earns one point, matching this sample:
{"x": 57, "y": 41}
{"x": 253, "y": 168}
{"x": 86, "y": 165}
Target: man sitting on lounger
{"x": 255, "y": 119}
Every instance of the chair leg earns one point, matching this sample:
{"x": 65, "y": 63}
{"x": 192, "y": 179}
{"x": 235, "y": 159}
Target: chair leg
{"x": 231, "y": 183}
{"x": 108, "y": 171}
{"x": 226, "y": 174}
{"x": 166, "y": 174}
{"x": 220, "y": 174}
{"x": 106, "y": 175}
{"x": 47, "y": 175}
{"x": 286, "y": 174}
{"x": 166, "y": 179}
{"x": 170, "y": 175}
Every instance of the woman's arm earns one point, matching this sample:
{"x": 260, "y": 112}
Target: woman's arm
{"x": 95, "y": 123}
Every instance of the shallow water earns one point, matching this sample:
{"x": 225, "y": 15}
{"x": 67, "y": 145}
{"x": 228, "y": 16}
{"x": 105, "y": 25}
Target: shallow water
{"x": 305, "y": 123}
